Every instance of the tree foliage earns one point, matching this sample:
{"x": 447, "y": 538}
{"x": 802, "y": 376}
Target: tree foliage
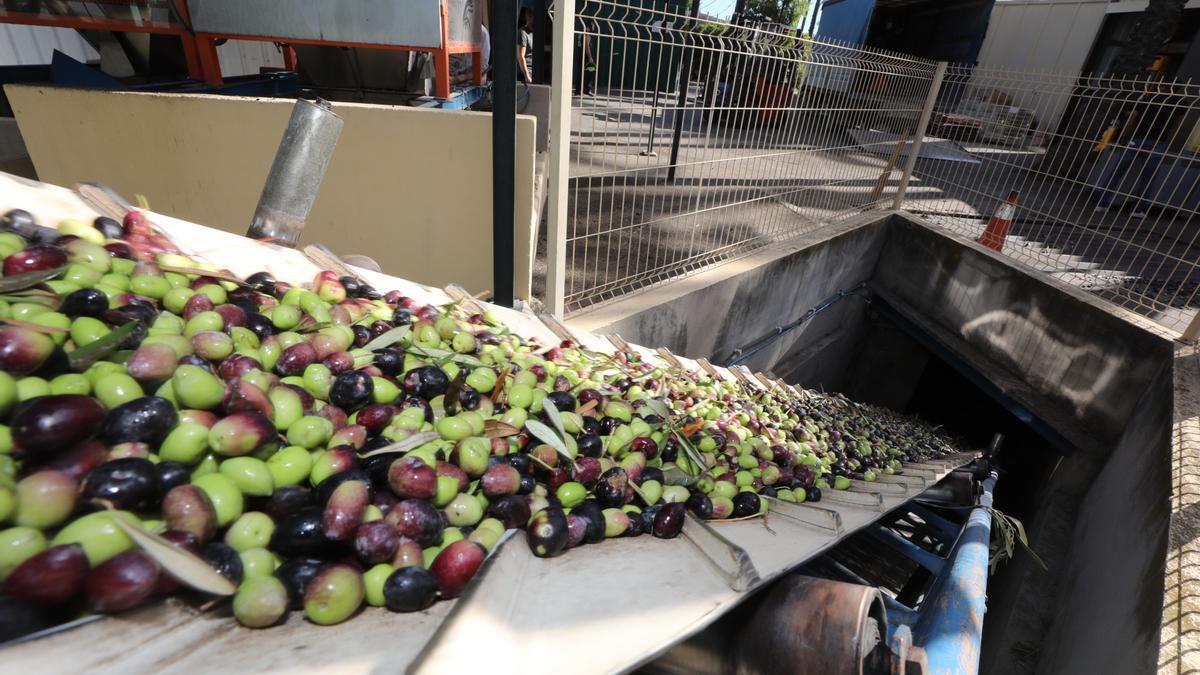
{"x": 786, "y": 12}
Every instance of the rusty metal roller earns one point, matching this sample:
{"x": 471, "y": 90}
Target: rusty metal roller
{"x": 810, "y": 626}
{"x": 799, "y": 626}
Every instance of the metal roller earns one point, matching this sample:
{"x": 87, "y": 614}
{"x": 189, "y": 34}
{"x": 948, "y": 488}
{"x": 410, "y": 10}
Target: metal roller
{"x": 801, "y": 626}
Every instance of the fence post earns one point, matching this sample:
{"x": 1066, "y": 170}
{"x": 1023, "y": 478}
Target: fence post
{"x": 560, "y": 155}
{"x": 504, "y": 133}
{"x": 935, "y": 87}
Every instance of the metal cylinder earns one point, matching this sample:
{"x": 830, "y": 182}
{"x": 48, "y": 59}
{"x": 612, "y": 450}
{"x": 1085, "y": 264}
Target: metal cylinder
{"x": 296, "y": 174}
{"x": 801, "y": 625}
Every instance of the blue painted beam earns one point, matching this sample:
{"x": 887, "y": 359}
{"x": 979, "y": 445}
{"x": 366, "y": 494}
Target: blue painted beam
{"x": 950, "y": 622}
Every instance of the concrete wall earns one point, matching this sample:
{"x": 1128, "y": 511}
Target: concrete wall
{"x": 1065, "y": 354}
{"x": 1113, "y": 585}
{"x": 1103, "y": 383}
{"x": 409, "y": 187}
{"x": 1100, "y": 379}
{"x": 711, "y": 314}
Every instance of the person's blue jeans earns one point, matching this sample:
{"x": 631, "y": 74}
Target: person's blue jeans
{"x": 1139, "y": 151}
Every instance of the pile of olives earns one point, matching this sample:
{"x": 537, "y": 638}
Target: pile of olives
{"x": 332, "y": 446}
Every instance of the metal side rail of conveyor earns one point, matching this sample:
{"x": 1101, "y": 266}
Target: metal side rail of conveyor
{"x": 623, "y": 604}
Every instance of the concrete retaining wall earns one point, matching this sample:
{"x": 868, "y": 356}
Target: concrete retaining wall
{"x": 713, "y": 313}
{"x": 408, "y": 187}
{"x": 1098, "y": 377}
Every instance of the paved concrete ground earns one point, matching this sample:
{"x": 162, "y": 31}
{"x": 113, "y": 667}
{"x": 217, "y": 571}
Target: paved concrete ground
{"x": 742, "y": 182}
{"x": 739, "y": 183}
{"x": 1146, "y": 265}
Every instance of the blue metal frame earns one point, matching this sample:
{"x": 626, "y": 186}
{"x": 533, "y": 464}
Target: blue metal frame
{"x": 949, "y": 622}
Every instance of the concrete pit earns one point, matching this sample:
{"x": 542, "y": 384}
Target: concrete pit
{"x": 925, "y": 322}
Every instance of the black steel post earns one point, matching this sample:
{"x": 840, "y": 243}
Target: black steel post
{"x": 685, "y": 83}
{"x": 541, "y": 30}
{"x": 504, "y": 133}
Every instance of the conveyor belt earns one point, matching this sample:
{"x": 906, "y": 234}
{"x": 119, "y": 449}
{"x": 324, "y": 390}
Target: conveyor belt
{"x": 600, "y": 609}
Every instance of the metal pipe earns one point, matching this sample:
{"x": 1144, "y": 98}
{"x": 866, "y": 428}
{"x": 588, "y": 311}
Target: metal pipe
{"x": 950, "y": 625}
{"x": 685, "y": 83}
{"x": 935, "y": 88}
{"x": 541, "y": 26}
{"x": 504, "y": 137}
{"x": 560, "y": 157}
{"x": 296, "y": 174}
{"x": 741, "y": 354}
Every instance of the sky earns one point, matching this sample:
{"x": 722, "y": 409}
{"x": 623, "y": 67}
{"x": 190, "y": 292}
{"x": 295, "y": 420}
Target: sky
{"x": 724, "y": 9}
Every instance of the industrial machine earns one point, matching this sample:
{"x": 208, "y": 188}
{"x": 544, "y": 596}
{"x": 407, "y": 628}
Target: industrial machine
{"x": 437, "y": 28}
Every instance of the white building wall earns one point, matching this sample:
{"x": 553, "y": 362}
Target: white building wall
{"x": 245, "y": 57}
{"x": 22, "y": 45}
{"x": 34, "y": 45}
{"x": 1041, "y": 36}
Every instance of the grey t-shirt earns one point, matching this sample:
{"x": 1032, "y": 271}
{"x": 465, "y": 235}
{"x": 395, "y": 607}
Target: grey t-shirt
{"x": 526, "y": 38}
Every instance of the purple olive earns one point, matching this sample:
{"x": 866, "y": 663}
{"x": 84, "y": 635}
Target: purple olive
{"x": 548, "y": 534}
{"x": 34, "y": 259}
{"x": 410, "y": 477}
{"x": 418, "y": 520}
{"x": 50, "y": 577}
{"x": 668, "y": 523}
{"x": 241, "y": 433}
{"x": 344, "y": 510}
{"x": 511, "y": 510}
{"x": 147, "y": 419}
{"x": 295, "y": 359}
{"x": 376, "y": 542}
{"x": 124, "y": 581}
{"x": 131, "y": 484}
{"x": 187, "y": 508}
{"x": 51, "y": 424}
{"x": 243, "y": 396}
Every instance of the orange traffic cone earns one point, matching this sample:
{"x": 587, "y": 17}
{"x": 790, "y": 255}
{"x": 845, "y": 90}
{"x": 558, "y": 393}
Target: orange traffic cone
{"x": 997, "y": 228}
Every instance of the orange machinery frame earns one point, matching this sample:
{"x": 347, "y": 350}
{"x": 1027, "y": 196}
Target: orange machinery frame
{"x": 200, "y": 50}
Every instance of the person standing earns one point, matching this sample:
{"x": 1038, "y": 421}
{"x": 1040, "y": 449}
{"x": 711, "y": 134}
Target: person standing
{"x": 584, "y": 74}
{"x": 525, "y": 46}
{"x": 1146, "y": 128}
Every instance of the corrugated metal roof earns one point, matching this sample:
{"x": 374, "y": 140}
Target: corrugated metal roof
{"x": 35, "y": 45}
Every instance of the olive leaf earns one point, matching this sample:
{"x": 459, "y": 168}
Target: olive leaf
{"x": 20, "y": 282}
{"x": 498, "y": 429}
{"x": 388, "y": 338}
{"x": 588, "y": 407}
{"x": 34, "y": 296}
{"x": 447, "y": 355}
{"x": 92, "y": 352}
{"x": 184, "y": 566}
{"x": 692, "y": 453}
{"x": 310, "y": 325}
{"x": 552, "y": 412}
{"x": 500, "y": 382}
{"x": 546, "y": 435}
{"x": 675, "y": 476}
{"x": 35, "y": 327}
{"x": 657, "y": 407}
{"x": 410, "y": 443}
{"x": 450, "y": 399}
{"x": 222, "y": 275}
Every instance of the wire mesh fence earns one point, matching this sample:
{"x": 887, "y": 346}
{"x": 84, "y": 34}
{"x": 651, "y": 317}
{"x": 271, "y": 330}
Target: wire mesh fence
{"x": 1106, "y": 174}
{"x": 695, "y": 141}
